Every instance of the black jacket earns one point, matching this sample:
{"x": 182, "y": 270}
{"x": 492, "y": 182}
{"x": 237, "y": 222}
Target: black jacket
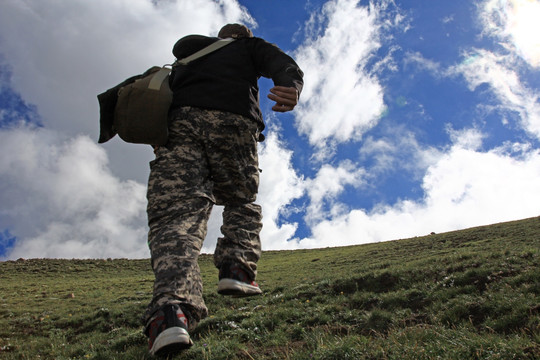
{"x": 224, "y": 80}
{"x": 227, "y": 78}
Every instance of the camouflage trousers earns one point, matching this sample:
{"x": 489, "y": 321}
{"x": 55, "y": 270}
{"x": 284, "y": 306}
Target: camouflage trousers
{"x": 211, "y": 158}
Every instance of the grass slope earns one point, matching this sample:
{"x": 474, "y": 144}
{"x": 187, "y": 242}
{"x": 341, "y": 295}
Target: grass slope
{"x": 470, "y": 294}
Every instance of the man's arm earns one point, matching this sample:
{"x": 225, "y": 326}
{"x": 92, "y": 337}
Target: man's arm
{"x": 271, "y": 62}
{"x": 286, "y": 98}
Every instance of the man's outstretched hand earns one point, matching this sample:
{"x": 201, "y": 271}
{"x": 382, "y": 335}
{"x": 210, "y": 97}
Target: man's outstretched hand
{"x": 286, "y": 98}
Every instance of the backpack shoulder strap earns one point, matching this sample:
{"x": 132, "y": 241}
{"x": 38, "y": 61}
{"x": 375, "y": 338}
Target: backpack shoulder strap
{"x": 207, "y": 50}
{"x": 158, "y": 77}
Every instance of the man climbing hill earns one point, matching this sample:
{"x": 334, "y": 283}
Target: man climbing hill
{"x": 211, "y": 158}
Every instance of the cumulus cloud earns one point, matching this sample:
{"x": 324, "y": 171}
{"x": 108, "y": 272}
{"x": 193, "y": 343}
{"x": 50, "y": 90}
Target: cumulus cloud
{"x": 64, "y": 196}
{"x": 59, "y": 57}
{"x": 516, "y": 23}
{"x": 60, "y": 199}
{"x": 280, "y": 185}
{"x": 341, "y": 99}
{"x": 330, "y": 182}
{"x": 463, "y": 184}
{"x": 464, "y": 187}
{"x": 62, "y": 54}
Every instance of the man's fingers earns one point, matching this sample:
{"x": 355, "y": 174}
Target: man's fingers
{"x": 282, "y": 108}
{"x": 282, "y": 100}
{"x": 286, "y": 98}
{"x": 284, "y": 89}
{"x": 289, "y": 93}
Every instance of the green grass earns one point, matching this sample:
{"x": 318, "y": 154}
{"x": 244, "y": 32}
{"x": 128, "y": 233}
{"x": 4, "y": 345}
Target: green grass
{"x": 470, "y": 294}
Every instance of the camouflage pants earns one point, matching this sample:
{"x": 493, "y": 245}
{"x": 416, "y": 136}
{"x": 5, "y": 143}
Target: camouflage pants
{"x": 211, "y": 158}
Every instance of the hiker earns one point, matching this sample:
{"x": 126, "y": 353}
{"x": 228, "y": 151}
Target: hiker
{"x": 211, "y": 158}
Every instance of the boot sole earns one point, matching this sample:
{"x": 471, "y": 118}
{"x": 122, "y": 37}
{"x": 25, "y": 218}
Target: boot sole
{"x": 171, "y": 341}
{"x": 237, "y": 288}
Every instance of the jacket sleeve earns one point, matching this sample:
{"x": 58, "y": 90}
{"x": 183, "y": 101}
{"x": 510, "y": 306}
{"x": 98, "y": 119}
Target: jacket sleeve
{"x": 273, "y": 63}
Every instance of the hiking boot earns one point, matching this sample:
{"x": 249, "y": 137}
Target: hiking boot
{"x": 167, "y": 331}
{"x": 236, "y": 282}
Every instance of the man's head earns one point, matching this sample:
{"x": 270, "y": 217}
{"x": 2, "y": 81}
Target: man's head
{"x": 234, "y": 31}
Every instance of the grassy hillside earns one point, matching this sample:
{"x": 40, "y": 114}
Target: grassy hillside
{"x": 471, "y": 294}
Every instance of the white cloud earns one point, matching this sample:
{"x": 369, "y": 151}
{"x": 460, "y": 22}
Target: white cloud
{"x": 417, "y": 58}
{"x": 280, "y": 184}
{"x": 341, "y": 100}
{"x": 330, "y": 182}
{"x": 516, "y": 23}
{"x": 63, "y": 54}
{"x": 60, "y": 200}
{"x": 463, "y": 185}
{"x": 398, "y": 150}
{"x": 64, "y": 196}
{"x": 470, "y": 139}
{"x": 498, "y": 69}
{"x": 448, "y": 19}
{"x": 464, "y": 188}
{"x": 500, "y": 73}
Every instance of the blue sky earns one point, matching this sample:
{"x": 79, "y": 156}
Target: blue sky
{"x": 415, "y": 117}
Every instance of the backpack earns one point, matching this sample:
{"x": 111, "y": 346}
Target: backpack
{"x": 142, "y": 108}
{"x": 138, "y": 108}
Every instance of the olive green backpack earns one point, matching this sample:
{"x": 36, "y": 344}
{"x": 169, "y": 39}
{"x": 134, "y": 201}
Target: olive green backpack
{"x": 142, "y": 107}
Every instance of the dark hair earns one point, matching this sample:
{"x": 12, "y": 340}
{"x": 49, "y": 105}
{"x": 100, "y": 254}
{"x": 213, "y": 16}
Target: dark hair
{"x": 234, "y": 31}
